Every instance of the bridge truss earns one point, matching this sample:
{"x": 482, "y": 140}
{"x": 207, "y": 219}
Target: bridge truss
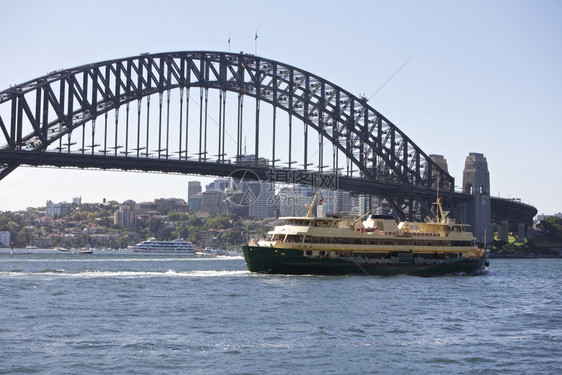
{"x": 194, "y": 112}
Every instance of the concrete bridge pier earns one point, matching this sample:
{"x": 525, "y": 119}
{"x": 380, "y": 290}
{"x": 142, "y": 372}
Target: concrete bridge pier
{"x": 521, "y": 232}
{"x": 503, "y": 231}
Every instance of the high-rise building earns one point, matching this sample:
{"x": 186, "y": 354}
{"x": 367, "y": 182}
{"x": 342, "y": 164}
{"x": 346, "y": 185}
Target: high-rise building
{"x": 342, "y": 202}
{"x": 212, "y": 202}
{"x": 293, "y": 201}
{"x": 57, "y": 209}
{"x": 335, "y": 202}
{"x": 193, "y": 188}
{"x": 125, "y": 217}
{"x": 364, "y": 204}
{"x": 262, "y": 206}
{"x": 194, "y": 203}
{"x": 218, "y": 185}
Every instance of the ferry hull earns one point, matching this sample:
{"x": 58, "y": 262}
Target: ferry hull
{"x": 290, "y": 261}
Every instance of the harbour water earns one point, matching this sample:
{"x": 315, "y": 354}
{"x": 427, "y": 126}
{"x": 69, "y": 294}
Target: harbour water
{"x": 124, "y": 313}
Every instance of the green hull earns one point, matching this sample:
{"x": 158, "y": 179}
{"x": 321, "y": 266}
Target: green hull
{"x": 292, "y": 262}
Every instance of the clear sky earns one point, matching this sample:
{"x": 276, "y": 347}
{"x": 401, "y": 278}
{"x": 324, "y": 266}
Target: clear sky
{"x": 484, "y": 76}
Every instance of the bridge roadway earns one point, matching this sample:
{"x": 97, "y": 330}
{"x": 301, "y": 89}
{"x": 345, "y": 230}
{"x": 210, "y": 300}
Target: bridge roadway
{"x": 502, "y": 209}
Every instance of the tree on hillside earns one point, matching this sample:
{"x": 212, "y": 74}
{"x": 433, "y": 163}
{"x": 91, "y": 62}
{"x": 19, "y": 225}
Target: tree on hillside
{"x": 551, "y": 227}
{"x": 218, "y": 222}
{"x": 158, "y": 229}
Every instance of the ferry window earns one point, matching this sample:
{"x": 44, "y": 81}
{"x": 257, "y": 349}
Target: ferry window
{"x": 309, "y": 252}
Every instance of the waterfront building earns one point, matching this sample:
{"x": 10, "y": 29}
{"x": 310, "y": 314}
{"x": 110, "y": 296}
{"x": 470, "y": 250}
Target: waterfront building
{"x": 43, "y": 242}
{"x": 5, "y": 238}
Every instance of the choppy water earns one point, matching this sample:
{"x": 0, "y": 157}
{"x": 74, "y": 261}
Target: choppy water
{"x": 135, "y": 314}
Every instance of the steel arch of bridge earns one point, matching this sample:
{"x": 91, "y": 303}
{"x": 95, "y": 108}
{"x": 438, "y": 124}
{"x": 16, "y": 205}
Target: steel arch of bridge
{"x": 38, "y": 116}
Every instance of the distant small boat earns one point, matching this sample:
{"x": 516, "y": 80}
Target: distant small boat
{"x": 178, "y": 246}
{"x": 210, "y": 252}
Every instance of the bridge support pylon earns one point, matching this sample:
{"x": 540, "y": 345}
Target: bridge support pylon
{"x": 477, "y": 212}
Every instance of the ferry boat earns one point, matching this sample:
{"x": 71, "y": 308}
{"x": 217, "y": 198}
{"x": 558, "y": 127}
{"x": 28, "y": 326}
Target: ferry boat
{"x": 374, "y": 246}
{"x": 178, "y": 246}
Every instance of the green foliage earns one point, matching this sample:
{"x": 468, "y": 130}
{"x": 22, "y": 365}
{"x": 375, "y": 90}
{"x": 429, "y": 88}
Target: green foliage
{"x": 544, "y": 244}
{"x": 218, "y": 222}
{"x": 551, "y": 227}
{"x": 76, "y": 229}
{"x": 157, "y": 228}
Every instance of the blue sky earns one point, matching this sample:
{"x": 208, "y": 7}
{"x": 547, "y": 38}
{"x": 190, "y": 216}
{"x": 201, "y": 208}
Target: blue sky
{"x": 484, "y": 76}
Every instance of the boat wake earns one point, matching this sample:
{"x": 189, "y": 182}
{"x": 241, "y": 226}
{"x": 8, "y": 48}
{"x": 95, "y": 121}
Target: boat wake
{"x": 123, "y": 274}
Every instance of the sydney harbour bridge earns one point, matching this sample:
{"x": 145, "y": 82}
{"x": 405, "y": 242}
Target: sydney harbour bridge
{"x": 222, "y": 114}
